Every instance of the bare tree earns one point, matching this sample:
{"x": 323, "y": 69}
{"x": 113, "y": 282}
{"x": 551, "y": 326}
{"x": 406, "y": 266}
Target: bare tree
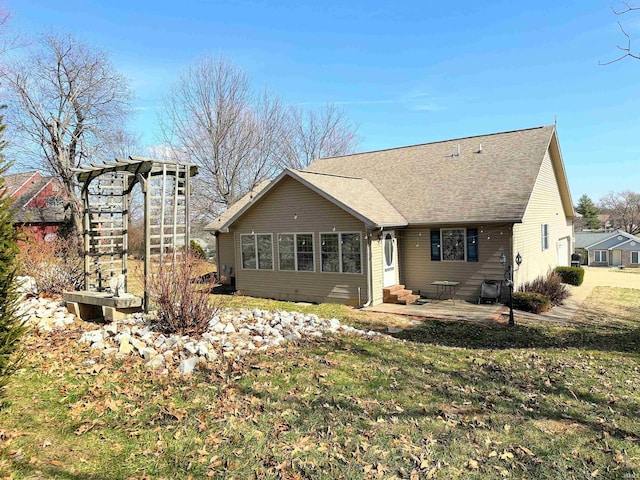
{"x": 213, "y": 118}
{"x": 626, "y": 48}
{"x": 624, "y": 210}
{"x": 67, "y": 101}
{"x": 316, "y": 134}
{"x": 8, "y": 40}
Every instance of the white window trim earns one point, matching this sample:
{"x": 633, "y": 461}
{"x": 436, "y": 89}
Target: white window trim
{"x": 637, "y": 257}
{"x": 544, "y": 239}
{"x": 340, "y": 251}
{"x": 255, "y": 245}
{"x": 464, "y": 243}
{"x": 295, "y": 251}
{"x": 600, "y": 251}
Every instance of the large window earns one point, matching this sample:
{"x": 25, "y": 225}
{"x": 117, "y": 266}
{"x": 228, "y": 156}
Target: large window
{"x": 635, "y": 257}
{"x": 257, "y": 251}
{"x": 341, "y": 252}
{"x": 601, "y": 256}
{"x": 295, "y": 251}
{"x": 454, "y": 244}
{"x": 544, "y": 233}
{"x": 453, "y": 240}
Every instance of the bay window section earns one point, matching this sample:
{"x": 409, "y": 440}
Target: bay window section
{"x": 295, "y": 251}
{"x": 341, "y": 252}
{"x": 304, "y": 252}
{"x": 350, "y": 244}
{"x": 330, "y": 252}
{"x": 257, "y": 251}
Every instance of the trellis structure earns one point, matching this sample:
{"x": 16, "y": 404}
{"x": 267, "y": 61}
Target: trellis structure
{"x": 106, "y": 196}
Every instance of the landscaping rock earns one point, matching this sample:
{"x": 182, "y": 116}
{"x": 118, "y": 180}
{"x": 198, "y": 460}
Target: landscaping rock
{"x": 156, "y": 362}
{"x": 148, "y": 353}
{"x": 91, "y": 337}
{"x": 187, "y": 366}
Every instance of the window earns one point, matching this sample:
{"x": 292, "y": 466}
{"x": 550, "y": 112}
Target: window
{"x": 545, "y": 236}
{"x": 454, "y": 244}
{"x": 453, "y": 240}
{"x": 601, "y": 256}
{"x": 341, "y": 252}
{"x": 635, "y": 257}
{"x": 295, "y": 251}
{"x": 55, "y": 201}
{"x": 257, "y": 251}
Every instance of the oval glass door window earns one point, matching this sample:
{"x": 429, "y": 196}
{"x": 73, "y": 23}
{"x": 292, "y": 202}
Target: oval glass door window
{"x": 388, "y": 249}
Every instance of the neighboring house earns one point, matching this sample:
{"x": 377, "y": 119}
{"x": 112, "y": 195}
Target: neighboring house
{"x": 38, "y": 203}
{"x": 617, "y": 248}
{"x": 347, "y": 227}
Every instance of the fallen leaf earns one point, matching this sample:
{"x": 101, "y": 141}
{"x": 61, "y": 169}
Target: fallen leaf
{"x": 506, "y": 455}
{"x": 472, "y": 464}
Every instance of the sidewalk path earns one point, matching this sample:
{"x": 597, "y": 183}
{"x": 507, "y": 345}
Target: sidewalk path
{"x": 593, "y": 277}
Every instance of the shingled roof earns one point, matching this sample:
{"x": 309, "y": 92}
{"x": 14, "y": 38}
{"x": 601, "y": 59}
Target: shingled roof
{"x": 24, "y": 214}
{"x": 486, "y": 178}
{"x": 466, "y": 180}
{"x": 12, "y": 182}
{"x": 355, "y": 195}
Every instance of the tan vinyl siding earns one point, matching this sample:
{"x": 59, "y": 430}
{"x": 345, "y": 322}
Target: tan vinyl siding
{"x": 226, "y": 257}
{"x": 545, "y": 206}
{"x": 377, "y": 259}
{"x": 291, "y": 207}
{"x": 417, "y": 271}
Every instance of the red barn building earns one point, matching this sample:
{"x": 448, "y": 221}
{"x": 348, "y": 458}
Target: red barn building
{"x": 38, "y": 203}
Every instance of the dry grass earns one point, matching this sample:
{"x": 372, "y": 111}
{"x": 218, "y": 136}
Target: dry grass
{"x": 454, "y": 400}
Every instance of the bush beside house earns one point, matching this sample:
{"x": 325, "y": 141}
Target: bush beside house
{"x": 531, "y": 302}
{"x": 571, "y": 275}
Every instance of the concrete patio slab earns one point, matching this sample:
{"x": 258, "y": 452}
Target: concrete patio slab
{"x": 447, "y": 310}
{"x": 444, "y": 310}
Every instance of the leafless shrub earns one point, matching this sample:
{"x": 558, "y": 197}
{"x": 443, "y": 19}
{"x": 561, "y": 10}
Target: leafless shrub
{"x": 55, "y": 265}
{"x": 550, "y": 286}
{"x": 183, "y": 306}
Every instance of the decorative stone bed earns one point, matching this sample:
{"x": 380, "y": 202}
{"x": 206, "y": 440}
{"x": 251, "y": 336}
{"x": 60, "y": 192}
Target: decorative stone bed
{"x": 230, "y": 333}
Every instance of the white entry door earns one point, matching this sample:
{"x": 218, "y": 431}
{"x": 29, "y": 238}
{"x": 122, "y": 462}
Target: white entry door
{"x": 616, "y": 257}
{"x": 389, "y": 259}
{"x": 563, "y": 252}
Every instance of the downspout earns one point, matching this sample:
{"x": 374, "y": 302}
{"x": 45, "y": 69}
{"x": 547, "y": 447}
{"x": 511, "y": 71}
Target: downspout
{"x": 369, "y": 262}
{"x": 216, "y": 235}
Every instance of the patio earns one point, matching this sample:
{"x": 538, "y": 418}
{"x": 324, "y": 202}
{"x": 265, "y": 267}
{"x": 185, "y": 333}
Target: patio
{"x": 445, "y": 310}
{"x": 467, "y": 311}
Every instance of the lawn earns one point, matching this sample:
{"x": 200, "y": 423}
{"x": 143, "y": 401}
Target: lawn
{"x": 442, "y": 400}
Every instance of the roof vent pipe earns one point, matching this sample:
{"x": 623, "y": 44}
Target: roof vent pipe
{"x": 480, "y": 149}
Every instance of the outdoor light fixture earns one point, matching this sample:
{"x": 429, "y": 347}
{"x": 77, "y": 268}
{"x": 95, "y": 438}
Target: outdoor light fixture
{"x": 508, "y": 275}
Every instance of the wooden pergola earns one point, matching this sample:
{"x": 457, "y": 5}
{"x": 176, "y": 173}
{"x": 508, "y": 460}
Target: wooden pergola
{"x": 106, "y": 196}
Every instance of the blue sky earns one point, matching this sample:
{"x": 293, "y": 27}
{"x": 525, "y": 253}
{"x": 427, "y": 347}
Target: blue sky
{"x": 406, "y": 72}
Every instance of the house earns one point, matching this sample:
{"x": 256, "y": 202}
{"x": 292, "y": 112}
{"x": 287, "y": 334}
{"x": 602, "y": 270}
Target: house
{"x": 38, "y": 203}
{"x": 348, "y": 227}
{"x": 606, "y": 249}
